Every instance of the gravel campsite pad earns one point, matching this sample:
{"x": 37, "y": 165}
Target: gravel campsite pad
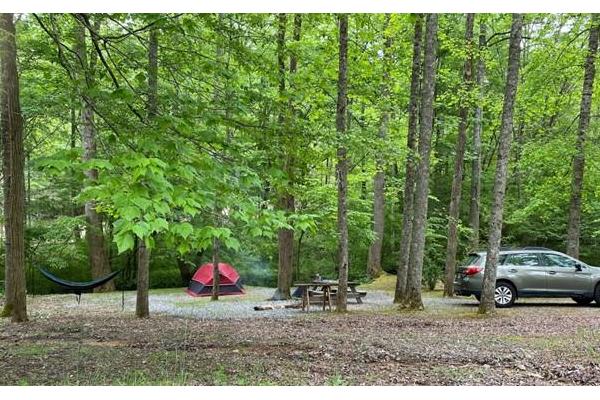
{"x": 194, "y": 341}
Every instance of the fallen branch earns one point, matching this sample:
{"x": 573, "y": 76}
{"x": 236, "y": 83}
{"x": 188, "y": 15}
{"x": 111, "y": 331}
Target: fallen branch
{"x": 276, "y": 306}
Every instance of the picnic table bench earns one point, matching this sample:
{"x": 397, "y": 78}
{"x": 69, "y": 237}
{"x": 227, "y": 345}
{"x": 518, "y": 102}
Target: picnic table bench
{"x": 323, "y": 292}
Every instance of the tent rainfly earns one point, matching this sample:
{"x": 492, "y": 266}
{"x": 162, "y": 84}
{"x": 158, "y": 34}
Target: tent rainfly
{"x": 201, "y": 284}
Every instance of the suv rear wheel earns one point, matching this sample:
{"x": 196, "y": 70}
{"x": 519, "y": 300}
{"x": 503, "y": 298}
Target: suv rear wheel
{"x": 582, "y": 301}
{"x": 505, "y": 295}
{"x": 597, "y": 295}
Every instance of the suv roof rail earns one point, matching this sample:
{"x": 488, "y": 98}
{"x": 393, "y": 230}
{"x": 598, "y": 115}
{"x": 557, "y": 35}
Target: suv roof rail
{"x": 510, "y": 248}
{"x": 484, "y": 249}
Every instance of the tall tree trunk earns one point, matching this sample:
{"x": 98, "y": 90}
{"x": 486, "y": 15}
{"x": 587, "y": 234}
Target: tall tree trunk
{"x": 477, "y": 129}
{"x": 285, "y": 240}
{"x": 14, "y": 178}
{"x": 374, "y": 259}
{"x": 142, "y": 309}
{"x": 143, "y": 259}
{"x": 409, "y": 181}
{"x": 579, "y": 160}
{"x": 342, "y": 164}
{"x": 417, "y": 246}
{"x": 94, "y": 232}
{"x": 285, "y": 237}
{"x": 454, "y": 209}
{"x": 216, "y": 276}
{"x": 487, "y": 304}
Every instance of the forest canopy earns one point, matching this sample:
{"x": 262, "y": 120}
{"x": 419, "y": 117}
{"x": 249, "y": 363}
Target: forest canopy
{"x": 176, "y": 133}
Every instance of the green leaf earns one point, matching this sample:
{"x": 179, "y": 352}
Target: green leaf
{"x": 141, "y": 229}
{"x": 130, "y": 213}
{"x": 159, "y": 224}
{"x": 231, "y": 243}
{"x": 124, "y": 242}
{"x": 184, "y": 229}
{"x": 183, "y": 248}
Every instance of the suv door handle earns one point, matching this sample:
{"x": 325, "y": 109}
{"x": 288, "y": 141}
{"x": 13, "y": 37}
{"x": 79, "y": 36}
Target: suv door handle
{"x": 552, "y": 272}
{"x": 513, "y": 270}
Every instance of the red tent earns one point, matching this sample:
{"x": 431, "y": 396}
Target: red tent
{"x": 202, "y": 281}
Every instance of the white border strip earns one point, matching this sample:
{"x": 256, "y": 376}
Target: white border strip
{"x": 300, "y": 392}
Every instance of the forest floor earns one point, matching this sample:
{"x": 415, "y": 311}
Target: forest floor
{"x": 191, "y": 341}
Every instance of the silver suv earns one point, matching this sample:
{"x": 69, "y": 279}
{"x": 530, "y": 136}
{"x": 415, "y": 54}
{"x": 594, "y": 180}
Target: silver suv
{"x": 531, "y": 272}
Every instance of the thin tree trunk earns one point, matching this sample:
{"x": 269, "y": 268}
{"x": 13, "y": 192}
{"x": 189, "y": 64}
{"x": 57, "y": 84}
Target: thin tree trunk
{"x": 342, "y": 164}
{"x": 574, "y": 229}
{"x": 417, "y": 247}
{"x": 374, "y": 259}
{"x": 477, "y": 129}
{"x": 487, "y": 304}
{"x": 14, "y": 178}
{"x": 298, "y": 254}
{"x": 459, "y": 160}
{"x": 285, "y": 237}
{"x": 142, "y": 309}
{"x": 94, "y": 232}
{"x": 216, "y": 276}
{"x": 143, "y": 259}
{"x": 28, "y": 191}
{"x": 409, "y": 181}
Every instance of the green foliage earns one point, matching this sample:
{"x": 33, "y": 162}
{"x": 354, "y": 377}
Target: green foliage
{"x": 225, "y": 144}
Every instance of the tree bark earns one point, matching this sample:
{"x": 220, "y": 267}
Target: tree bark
{"x": 285, "y": 240}
{"x": 461, "y": 142}
{"x": 216, "y": 276}
{"x": 477, "y": 129}
{"x": 142, "y": 309}
{"x": 94, "y": 232}
{"x": 574, "y": 229}
{"x": 285, "y": 237}
{"x": 487, "y": 305}
{"x": 374, "y": 258}
{"x": 409, "y": 181}
{"x": 14, "y": 177}
{"x": 417, "y": 247}
{"x": 143, "y": 259}
{"x": 342, "y": 164}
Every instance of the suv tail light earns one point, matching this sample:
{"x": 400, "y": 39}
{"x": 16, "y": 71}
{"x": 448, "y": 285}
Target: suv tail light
{"x": 473, "y": 269}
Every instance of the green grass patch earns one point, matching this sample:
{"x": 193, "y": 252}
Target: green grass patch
{"x": 336, "y": 380}
{"x": 28, "y": 350}
{"x": 386, "y": 282}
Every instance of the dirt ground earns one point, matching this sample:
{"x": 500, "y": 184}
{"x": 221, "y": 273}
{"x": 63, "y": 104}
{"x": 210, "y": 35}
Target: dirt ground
{"x": 538, "y": 342}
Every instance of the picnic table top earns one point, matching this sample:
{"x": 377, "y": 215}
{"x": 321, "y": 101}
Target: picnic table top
{"x": 325, "y": 283}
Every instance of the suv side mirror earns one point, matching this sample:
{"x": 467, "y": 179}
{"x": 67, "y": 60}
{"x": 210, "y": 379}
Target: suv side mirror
{"x": 578, "y": 267}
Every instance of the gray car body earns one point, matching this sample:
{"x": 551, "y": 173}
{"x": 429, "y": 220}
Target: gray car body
{"x": 534, "y": 281}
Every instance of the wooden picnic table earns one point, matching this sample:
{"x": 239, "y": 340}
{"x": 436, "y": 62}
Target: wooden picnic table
{"x": 326, "y": 289}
